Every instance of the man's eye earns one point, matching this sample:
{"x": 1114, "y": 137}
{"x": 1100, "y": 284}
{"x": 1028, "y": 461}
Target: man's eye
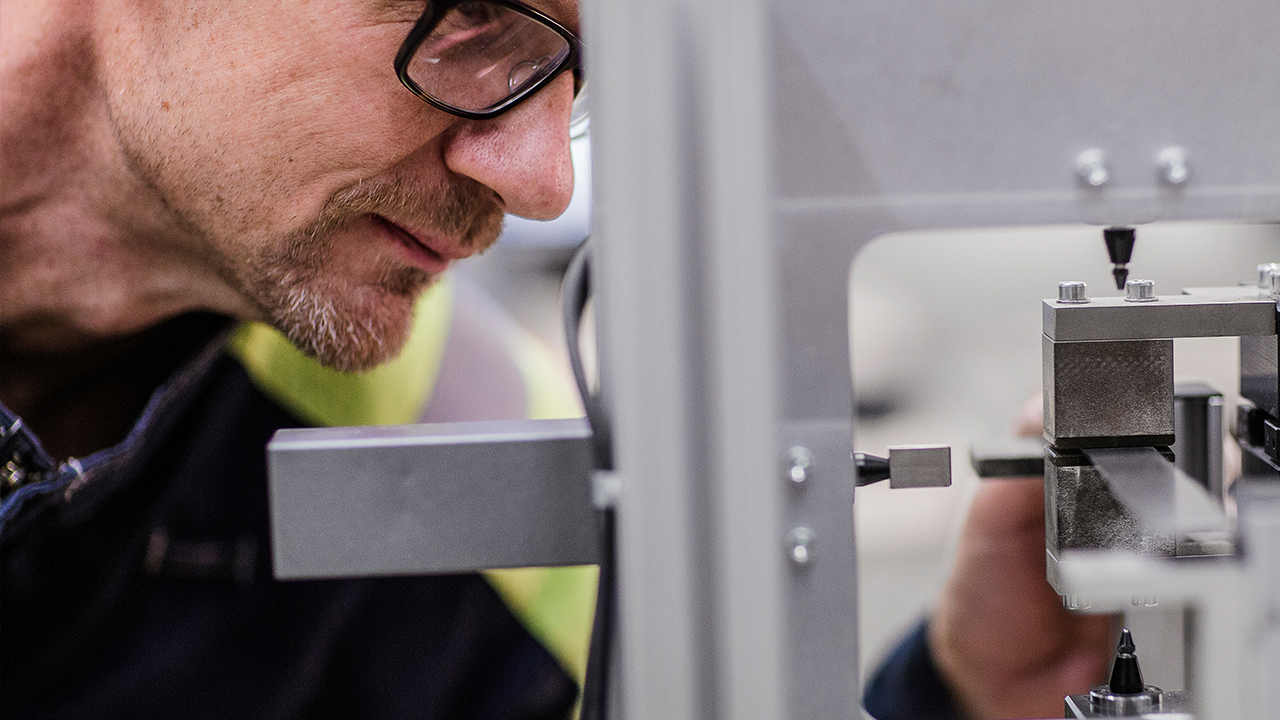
{"x": 476, "y": 13}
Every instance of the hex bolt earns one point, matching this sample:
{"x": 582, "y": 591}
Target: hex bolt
{"x": 799, "y": 462}
{"x": 1073, "y": 292}
{"x": 1091, "y": 168}
{"x": 800, "y": 546}
{"x": 1144, "y": 601}
{"x": 1275, "y": 284}
{"x": 1264, "y": 274}
{"x": 1140, "y": 291}
{"x": 1173, "y": 167}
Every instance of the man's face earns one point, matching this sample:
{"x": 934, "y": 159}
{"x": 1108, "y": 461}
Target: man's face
{"x": 291, "y": 161}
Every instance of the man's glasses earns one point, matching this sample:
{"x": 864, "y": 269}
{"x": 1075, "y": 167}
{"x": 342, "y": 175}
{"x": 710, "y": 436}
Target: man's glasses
{"x": 479, "y": 58}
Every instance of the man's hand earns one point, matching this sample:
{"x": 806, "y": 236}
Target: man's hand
{"x": 1000, "y": 636}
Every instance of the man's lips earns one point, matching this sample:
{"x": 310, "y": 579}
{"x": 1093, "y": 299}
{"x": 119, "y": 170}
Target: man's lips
{"x": 431, "y": 253}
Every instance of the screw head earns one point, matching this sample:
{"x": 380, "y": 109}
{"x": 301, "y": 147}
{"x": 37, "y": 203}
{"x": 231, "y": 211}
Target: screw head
{"x": 1091, "y": 168}
{"x": 1264, "y": 274}
{"x": 800, "y": 546}
{"x": 1140, "y": 291}
{"x": 1172, "y": 165}
{"x": 799, "y": 462}
{"x": 1073, "y": 292}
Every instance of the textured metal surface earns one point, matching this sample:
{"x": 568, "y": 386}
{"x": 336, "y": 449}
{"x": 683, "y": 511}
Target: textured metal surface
{"x": 1259, "y": 380}
{"x": 1082, "y": 513}
{"x": 1168, "y": 316}
{"x": 919, "y": 466}
{"x": 431, "y": 498}
{"x": 1098, "y": 392}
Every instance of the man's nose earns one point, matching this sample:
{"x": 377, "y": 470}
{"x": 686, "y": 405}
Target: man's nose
{"x": 522, "y": 155}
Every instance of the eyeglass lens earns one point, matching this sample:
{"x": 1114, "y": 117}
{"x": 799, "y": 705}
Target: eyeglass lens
{"x": 481, "y": 53}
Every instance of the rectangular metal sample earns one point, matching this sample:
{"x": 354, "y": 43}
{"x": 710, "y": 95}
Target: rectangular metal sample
{"x": 1169, "y": 316}
{"x": 414, "y": 499}
{"x": 1007, "y": 457}
{"x": 1160, "y": 495}
{"x": 917, "y": 466}
{"x": 1117, "y": 392}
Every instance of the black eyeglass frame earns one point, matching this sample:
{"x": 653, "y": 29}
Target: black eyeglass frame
{"x": 432, "y": 16}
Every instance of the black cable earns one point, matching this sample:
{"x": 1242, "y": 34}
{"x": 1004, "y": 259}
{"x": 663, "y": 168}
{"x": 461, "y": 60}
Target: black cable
{"x": 575, "y": 291}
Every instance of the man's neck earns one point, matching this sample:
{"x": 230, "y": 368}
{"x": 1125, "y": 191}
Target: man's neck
{"x": 79, "y": 403}
{"x": 88, "y": 252}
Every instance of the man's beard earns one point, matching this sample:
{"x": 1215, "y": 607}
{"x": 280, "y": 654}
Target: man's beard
{"x": 355, "y": 326}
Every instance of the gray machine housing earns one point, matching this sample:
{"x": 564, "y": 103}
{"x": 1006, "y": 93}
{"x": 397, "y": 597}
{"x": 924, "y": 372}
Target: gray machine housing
{"x": 743, "y": 153}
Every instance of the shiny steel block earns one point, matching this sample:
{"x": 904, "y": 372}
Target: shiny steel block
{"x": 1108, "y": 393}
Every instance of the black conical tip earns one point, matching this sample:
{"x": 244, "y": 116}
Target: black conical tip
{"x": 1126, "y": 677}
{"x": 1120, "y": 249}
{"x": 1126, "y": 645}
{"x": 1119, "y": 243}
{"x": 1120, "y": 273}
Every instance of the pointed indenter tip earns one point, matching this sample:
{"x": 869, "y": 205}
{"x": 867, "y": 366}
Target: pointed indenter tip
{"x": 1126, "y": 645}
{"x": 1121, "y": 274}
{"x": 1126, "y": 677}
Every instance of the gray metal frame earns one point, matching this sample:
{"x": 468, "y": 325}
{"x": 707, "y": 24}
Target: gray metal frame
{"x": 744, "y": 152}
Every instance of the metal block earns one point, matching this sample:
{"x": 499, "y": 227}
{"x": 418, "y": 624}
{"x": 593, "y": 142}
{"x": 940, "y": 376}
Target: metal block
{"x": 1082, "y": 512}
{"x": 916, "y": 466}
{"x": 1127, "y": 499}
{"x": 431, "y": 498}
{"x": 1260, "y": 373}
{"x": 1110, "y": 393}
{"x": 1197, "y": 446}
{"x": 1169, "y": 316}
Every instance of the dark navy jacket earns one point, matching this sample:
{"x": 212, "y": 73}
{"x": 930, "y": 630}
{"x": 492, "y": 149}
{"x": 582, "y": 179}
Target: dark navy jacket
{"x": 137, "y": 584}
{"x": 907, "y": 685}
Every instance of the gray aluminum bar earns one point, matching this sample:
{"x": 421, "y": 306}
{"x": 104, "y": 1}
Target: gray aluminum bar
{"x": 431, "y": 498}
{"x": 1169, "y": 316}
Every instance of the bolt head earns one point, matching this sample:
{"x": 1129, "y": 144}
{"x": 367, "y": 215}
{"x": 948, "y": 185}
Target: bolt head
{"x": 1264, "y": 274}
{"x": 1140, "y": 291}
{"x": 800, "y": 546}
{"x": 1073, "y": 292}
{"x": 1172, "y": 165}
{"x": 1091, "y": 168}
{"x": 799, "y": 462}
